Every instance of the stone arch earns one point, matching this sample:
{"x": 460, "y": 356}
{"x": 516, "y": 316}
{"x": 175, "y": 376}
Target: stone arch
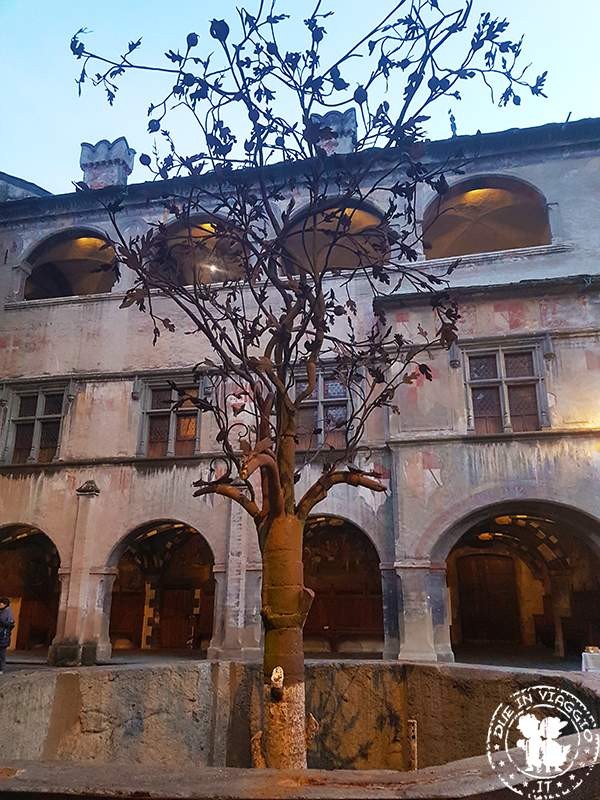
{"x": 523, "y": 571}
{"x": 154, "y": 511}
{"x": 70, "y": 262}
{"x": 29, "y": 576}
{"x": 445, "y": 540}
{"x": 485, "y": 213}
{"x": 45, "y": 527}
{"x": 121, "y": 545}
{"x": 163, "y": 594}
{"x": 367, "y": 531}
{"x": 203, "y": 248}
{"x": 366, "y": 242}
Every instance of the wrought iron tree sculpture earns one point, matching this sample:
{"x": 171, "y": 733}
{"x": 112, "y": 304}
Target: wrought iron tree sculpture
{"x": 295, "y": 214}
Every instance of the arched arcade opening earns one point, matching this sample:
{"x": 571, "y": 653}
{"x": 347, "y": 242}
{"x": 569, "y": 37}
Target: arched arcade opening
{"x": 74, "y": 262}
{"x": 163, "y": 594}
{"x": 524, "y": 585}
{"x": 29, "y": 564}
{"x": 484, "y": 214}
{"x": 341, "y": 566}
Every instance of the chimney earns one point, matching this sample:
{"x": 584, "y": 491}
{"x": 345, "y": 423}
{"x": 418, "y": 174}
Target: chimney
{"x": 106, "y": 164}
{"x": 338, "y": 131}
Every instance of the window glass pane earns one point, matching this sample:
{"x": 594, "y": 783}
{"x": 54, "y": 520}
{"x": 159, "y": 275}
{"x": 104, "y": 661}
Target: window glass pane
{"x": 28, "y": 405}
{"x": 301, "y": 387}
{"x": 23, "y": 442}
{"x": 335, "y": 415}
{"x": 482, "y": 367}
{"x": 333, "y": 388}
{"x": 48, "y": 440}
{"x": 522, "y": 400}
{"x": 185, "y": 435}
{"x": 487, "y": 410}
{"x": 53, "y": 403}
{"x": 158, "y": 435}
{"x": 191, "y": 391}
{"x": 161, "y": 398}
{"x": 307, "y": 423}
{"x": 335, "y": 418}
{"x": 518, "y": 365}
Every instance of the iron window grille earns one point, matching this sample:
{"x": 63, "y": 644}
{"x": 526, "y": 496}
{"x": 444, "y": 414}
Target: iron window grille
{"x": 35, "y": 418}
{"x": 505, "y": 389}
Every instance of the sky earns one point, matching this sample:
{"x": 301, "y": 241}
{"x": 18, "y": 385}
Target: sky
{"x": 43, "y": 121}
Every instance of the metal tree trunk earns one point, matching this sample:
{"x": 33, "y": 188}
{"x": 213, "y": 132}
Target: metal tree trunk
{"x": 285, "y": 605}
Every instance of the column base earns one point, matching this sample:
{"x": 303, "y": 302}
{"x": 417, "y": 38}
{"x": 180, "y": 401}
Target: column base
{"x": 412, "y": 656}
{"x": 225, "y": 654}
{"x": 252, "y": 654}
{"x": 445, "y": 656}
{"x": 427, "y": 656}
{"x": 103, "y": 652}
{"x": 77, "y": 654}
{"x": 65, "y": 654}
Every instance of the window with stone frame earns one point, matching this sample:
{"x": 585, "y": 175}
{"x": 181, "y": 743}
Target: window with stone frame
{"x": 505, "y": 390}
{"x": 170, "y": 428}
{"x": 35, "y": 421}
{"x": 322, "y": 417}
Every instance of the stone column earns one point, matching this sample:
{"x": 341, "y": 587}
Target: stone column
{"x": 560, "y": 587}
{"x": 423, "y": 611}
{"x": 20, "y": 273}
{"x": 64, "y": 576}
{"x": 230, "y": 594}
{"x": 97, "y": 645}
{"x": 252, "y": 634}
{"x": 67, "y": 649}
{"x": 216, "y": 642}
{"x": 440, "y": 612}
{"x": 391, "y": 629}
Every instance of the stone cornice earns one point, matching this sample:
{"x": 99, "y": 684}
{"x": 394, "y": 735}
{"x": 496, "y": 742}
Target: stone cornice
{"x": 473, "y": 439}
{"x": 573, "y": 136}
{"x": 517, "y": 289}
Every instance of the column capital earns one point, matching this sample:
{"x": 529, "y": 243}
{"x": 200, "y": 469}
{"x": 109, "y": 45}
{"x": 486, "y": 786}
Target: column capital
{"x": 104, "y": 571}
{"x": 88, "y": 489}
{"x": 420, "y": 563}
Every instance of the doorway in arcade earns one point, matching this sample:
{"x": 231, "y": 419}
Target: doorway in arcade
{"x": 341, "y": 566}
{"x": 29, "y": 565}
{"x": 163, "y": 595}
{"x": 525, "y": 580}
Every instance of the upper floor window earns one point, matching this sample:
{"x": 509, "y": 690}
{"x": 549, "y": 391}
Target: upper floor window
{"x": 170, "y": 428}
{"x": 72, "y": 263}
{"x": 505, "y": 390}
{"x": 35, "y": 422}
{"x": 486, "y": 214}
{"x": 337, "y": 238}
{"x": 323, "y": 416}
{"x": 199, "y": 251}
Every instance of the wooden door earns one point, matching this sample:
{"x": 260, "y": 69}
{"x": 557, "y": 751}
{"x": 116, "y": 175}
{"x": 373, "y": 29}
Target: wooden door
{"x": 127, "y": 617}
{"x": 489, "y": 608}
{"x": 176, "y": 618}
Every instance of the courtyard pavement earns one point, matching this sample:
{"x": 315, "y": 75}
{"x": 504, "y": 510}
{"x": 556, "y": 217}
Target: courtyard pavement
{"x": 531, "y": 658}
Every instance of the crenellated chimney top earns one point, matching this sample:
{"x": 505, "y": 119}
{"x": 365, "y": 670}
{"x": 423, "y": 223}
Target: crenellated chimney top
{"x": 339, "y": 131}
{"x": 106, "y": 164}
